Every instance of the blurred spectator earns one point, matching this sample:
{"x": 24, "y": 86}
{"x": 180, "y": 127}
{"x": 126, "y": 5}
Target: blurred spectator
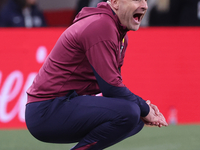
{"x": 175, "y": 13}
{"x": 185, "y": 12}
{"x": 87, "y": 3}
{"x": 159, "y": 14}
{"x": 21, "y": 13}
{"x": 2, "y": 3}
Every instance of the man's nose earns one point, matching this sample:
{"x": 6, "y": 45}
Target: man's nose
{"x": 144, "y": 5}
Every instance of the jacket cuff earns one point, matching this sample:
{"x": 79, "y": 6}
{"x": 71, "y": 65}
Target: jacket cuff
{"x": 144, "y": 107}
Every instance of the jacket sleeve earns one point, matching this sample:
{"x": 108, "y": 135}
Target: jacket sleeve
{"x": 103, "y": 59}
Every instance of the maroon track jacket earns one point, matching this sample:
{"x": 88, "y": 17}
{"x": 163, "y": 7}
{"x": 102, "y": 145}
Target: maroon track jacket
{"x": 86, "y": 58}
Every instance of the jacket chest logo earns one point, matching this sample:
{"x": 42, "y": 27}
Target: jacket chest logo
{"x": 121, "y": 47}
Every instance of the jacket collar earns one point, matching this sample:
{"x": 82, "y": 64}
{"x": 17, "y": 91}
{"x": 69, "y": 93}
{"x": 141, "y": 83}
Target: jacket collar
{"x": 121, "y": 28}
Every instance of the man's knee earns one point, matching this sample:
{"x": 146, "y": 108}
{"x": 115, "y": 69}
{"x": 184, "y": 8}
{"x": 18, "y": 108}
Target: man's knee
{"x": 130, "y": 115}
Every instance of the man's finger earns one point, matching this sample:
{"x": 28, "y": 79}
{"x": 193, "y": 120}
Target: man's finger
{"x": 162, "y": 120}
{"x": 155, "y": 108}
{"x": 148, "y": 102}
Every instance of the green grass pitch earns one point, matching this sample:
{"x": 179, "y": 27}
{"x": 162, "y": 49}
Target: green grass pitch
{"x": 181, "y": 137}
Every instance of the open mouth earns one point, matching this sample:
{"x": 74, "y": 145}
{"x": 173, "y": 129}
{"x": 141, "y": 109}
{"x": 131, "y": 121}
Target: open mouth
{"x": 137, "y": 17}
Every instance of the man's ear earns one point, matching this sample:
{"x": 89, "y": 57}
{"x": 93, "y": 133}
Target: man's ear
{"x": 115, "y": 4}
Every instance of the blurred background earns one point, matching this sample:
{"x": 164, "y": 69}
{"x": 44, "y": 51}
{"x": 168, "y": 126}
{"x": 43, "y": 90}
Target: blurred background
{"x": 161, "y": 64}
{"x": 62, "y": 12}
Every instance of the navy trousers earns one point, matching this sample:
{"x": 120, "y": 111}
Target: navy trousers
{"x": 94, "y": 122}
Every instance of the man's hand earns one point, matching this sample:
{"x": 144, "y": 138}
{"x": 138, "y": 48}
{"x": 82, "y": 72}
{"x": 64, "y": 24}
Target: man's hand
{"x": 155, "y": 117}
